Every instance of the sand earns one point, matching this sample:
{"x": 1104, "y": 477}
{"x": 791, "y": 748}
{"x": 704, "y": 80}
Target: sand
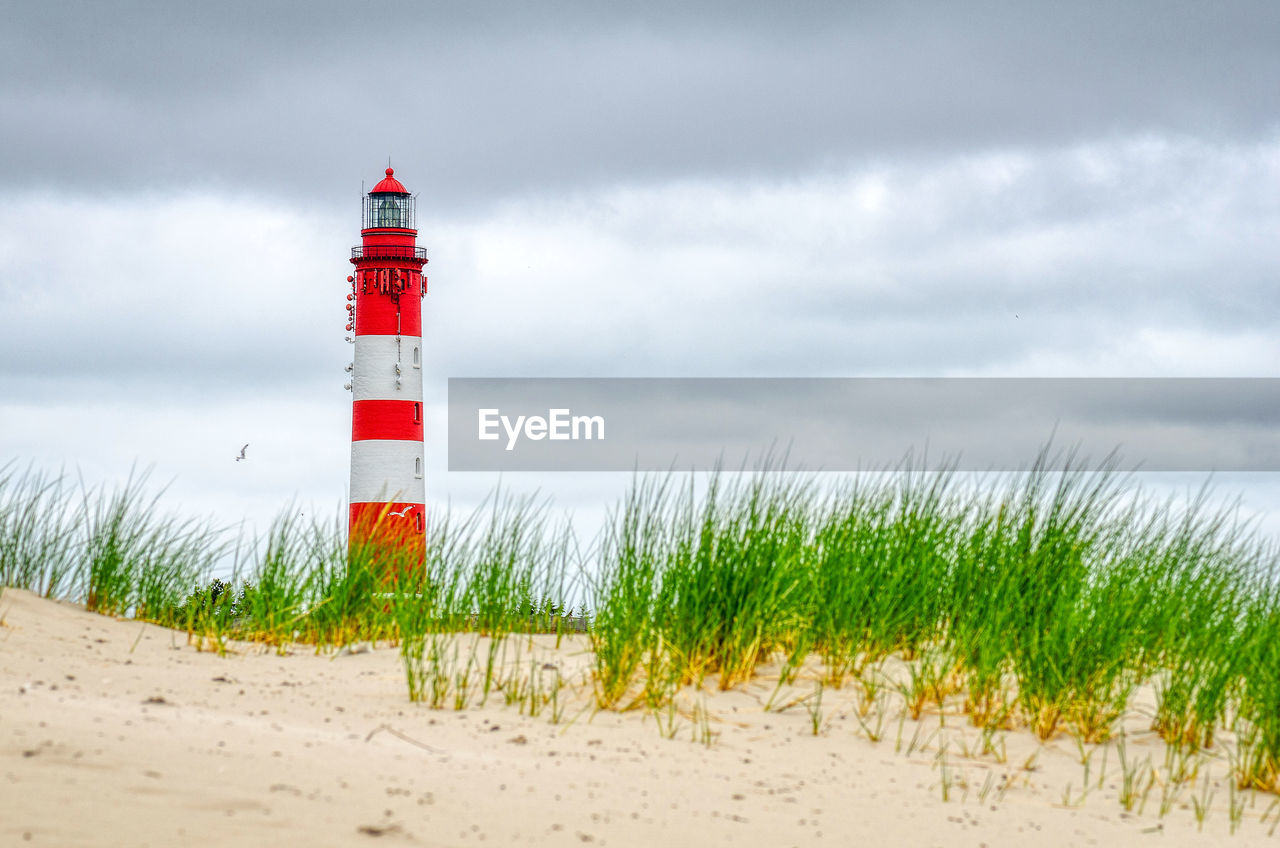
{"x": 115, "y": 732}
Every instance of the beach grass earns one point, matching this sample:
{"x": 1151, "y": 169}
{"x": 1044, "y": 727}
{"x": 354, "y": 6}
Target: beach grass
{"x": 1040, "y": 601}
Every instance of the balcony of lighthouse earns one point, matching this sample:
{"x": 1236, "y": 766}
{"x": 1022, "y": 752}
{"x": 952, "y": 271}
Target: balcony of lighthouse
{"x": 389, "y": 251}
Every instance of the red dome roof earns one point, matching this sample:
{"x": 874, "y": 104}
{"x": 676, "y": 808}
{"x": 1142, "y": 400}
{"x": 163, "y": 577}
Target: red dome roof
{"x": 390, "y": 184}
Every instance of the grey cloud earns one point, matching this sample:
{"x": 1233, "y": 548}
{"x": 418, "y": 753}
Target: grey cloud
{"x": 964, "y": 267}
{"x": 476, "y": 101}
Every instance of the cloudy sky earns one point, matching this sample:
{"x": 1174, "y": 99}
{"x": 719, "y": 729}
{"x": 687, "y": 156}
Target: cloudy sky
{"x": 684, "y": 189}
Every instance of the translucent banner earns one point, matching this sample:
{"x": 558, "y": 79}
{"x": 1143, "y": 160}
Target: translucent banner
{"x": 848, "y": 424}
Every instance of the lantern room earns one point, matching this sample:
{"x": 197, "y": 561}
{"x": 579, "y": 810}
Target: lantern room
{"x": 389, "y": 206}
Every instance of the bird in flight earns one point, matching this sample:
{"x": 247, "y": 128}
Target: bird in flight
{"x": 242, "y": 450}
{"x": 401, "y": 513}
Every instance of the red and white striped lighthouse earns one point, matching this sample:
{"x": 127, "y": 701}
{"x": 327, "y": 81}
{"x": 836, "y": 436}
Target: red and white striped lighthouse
{"x": 385, "y": 309}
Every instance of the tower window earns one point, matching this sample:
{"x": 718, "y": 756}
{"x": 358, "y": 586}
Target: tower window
{"x": 417, "y": 520}
{"x": 417, "y": 357}
{"x": 417, "y": 413}
{"x": 388, "y": 209}
{"x": 417, "y": 467}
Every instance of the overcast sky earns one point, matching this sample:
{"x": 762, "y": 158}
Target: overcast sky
{"x": 683, "y": 189}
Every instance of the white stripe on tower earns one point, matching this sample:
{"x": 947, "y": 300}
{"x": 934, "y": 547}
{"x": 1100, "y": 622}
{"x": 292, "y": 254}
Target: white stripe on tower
{"x": 385, "y": 470}
{"x": 374, "y": 375}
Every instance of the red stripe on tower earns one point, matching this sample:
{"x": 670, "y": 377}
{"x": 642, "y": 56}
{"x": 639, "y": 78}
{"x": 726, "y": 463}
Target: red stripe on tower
{"x": 388, "y": 495}
{"x": 386, "y": 419}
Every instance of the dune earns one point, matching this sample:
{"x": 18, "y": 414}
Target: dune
{"x": 115, "y": 732}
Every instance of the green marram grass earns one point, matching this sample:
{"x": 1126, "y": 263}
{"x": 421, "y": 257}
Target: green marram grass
{"x": 1042, "y": 599}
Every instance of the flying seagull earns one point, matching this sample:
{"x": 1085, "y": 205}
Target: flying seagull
{"x": 401, "y": 513}
{"x": 242, "y": 450}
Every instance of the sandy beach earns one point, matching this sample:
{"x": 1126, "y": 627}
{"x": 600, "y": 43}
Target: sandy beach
{"x": 115, "y": 732}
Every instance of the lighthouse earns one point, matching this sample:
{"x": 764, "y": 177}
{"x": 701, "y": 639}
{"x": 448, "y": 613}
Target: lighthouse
{"x": 384, "y": 311}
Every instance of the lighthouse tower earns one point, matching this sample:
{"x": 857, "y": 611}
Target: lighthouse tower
{"x": 385, "y": 309}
